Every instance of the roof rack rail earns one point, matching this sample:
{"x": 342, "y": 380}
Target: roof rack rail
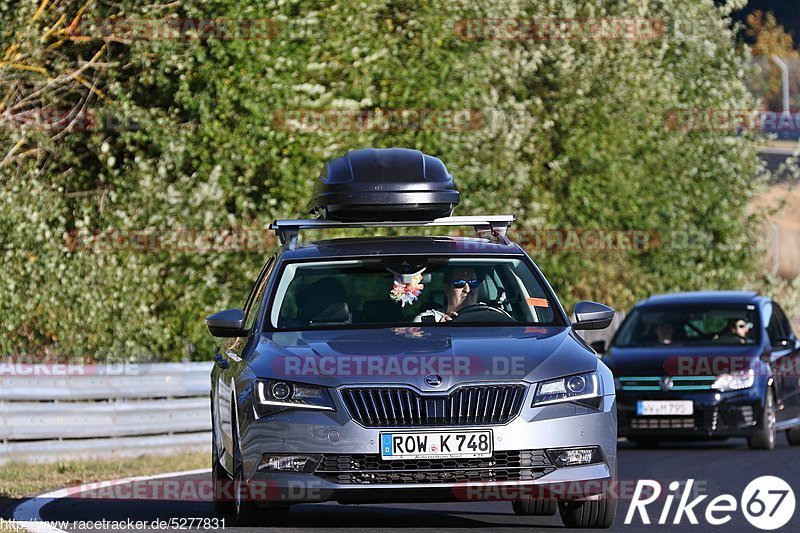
{"x": 494, "y": 225}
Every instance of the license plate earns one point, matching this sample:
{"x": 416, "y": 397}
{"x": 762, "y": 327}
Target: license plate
{"x": 673, "y": 407}
{"x": 436, "y": 444}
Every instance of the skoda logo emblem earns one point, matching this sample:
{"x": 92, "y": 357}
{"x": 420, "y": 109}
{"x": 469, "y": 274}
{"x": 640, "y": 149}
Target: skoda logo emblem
{"x": 666, "y": 383}
{"x": 433, "y": 380}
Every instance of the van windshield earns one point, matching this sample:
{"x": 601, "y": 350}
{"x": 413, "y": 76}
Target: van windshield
{"x": 406, "y": 291}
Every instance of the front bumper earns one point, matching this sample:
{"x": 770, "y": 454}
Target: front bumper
{"x": 519, "y": 468}
{"x": 716, "y": 414}
{"x": 577, "y": 482}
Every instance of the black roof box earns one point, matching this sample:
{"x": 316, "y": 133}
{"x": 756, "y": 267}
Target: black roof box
{"x": 374, "y": 185}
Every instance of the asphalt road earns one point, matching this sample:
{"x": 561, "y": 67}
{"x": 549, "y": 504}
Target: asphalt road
{"x": 717, "y": 468}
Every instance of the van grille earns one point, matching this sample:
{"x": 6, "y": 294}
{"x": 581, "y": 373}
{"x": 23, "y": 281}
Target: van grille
{"x": 405, "y": 407}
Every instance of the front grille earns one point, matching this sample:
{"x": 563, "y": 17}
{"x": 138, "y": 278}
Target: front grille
{"x": 369, "y": 469}
{"x": 677, "y": 383}
{"x": 663, "y": 423}
{"x": 404, "y": 407}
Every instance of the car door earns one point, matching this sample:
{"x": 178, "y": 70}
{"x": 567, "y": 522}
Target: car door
{"x": 230, "y": 356}
{"x": 787, "y": 368}
{"x": 780, "y": 355}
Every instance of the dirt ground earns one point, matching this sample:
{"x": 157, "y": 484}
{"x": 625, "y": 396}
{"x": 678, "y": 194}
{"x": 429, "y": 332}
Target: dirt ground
{"x": 782, "y": 233}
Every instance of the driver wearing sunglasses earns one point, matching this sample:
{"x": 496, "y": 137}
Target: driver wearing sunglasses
{"x": 459, "y": 284}
{"x": 740, "y": 328}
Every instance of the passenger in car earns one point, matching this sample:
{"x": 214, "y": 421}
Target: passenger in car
{"x": 664, "y": 333}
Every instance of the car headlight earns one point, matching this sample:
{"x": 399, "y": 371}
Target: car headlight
{"x": 581, "y": 388}
{"x": 742, "y": 379}
{"x": 275, "y": 395}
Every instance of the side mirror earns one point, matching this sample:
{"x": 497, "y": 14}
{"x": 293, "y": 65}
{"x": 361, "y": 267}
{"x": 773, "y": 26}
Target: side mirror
{"x": 227, "y": 323}
{"x": 599, "y": 347}
{"x": 592, "y": 315}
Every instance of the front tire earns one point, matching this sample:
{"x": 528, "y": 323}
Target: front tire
{"x": 535, "y": 507}
{"x": 765, "y": 439}
{"x": 589, "y": 514}
{"x": 246, "y": 511}
{"x": 644, "y": 442}
{"x": 222, "y": 482}
{"x": 793, "y": 435}
{"x": 598, "y": 514}
{"x": 220, "y": 479}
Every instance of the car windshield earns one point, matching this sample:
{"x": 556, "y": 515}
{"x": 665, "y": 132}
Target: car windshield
{"x": 671, "y": 325}
{"x": 407, "y": 291}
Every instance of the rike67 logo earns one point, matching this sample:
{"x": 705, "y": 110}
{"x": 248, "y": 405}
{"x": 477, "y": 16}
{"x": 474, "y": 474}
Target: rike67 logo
{"x": 767, "y": 503}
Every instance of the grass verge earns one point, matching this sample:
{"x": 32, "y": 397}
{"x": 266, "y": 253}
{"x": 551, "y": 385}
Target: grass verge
{"x": 20, "y": 480}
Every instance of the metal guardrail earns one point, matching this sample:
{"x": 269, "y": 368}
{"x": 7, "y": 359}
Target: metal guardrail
{"x": 55, "y": 412}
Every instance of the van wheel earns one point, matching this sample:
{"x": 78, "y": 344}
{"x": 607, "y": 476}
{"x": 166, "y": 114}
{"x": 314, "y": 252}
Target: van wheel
{"x": 794, "y": 436}
{"x": 765, "y": 439}
{"x": 535, "y": 507}
{"x": 589, "y": 514}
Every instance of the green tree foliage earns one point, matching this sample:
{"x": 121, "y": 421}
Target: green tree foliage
{"x": 568, "y": 133}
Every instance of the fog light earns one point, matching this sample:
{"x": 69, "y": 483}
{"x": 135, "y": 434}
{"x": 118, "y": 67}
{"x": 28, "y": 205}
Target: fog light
{"x": 574, "y": 456}
{"x": 289, "y": 463}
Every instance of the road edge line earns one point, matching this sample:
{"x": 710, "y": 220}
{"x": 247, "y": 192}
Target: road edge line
{"x": 27, "y": 514}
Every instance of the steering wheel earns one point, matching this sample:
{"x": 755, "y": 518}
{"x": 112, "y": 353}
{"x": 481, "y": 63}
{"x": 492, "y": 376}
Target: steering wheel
{"x": 482, "y": 313}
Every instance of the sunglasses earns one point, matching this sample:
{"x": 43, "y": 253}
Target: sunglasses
{"x": 741, "y": 326}
{"x": 459, "y": 283}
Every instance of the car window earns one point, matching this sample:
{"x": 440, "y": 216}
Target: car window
{"x": 254, "y": 300}
{"x": 403, "y": 291}
{"x": 774, "y": 329}
{"x": 778, "y": 326}
{"x": 689, "y": 324}
{"x": 786, "y": 326}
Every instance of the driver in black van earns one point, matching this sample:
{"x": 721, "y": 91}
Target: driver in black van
{"x": 459, "y": 284}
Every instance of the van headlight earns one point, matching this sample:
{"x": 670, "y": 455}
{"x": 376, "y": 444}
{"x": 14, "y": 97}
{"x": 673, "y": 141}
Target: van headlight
{"x": 276, "y": 395}
{"x": 742, "y": 379}
{"x": 581, "y": 388}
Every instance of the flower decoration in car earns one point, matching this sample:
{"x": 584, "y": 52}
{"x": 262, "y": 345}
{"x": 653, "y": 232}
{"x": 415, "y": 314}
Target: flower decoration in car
{"x": 406, "y": 289}
{"x": 409, "y": 332}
